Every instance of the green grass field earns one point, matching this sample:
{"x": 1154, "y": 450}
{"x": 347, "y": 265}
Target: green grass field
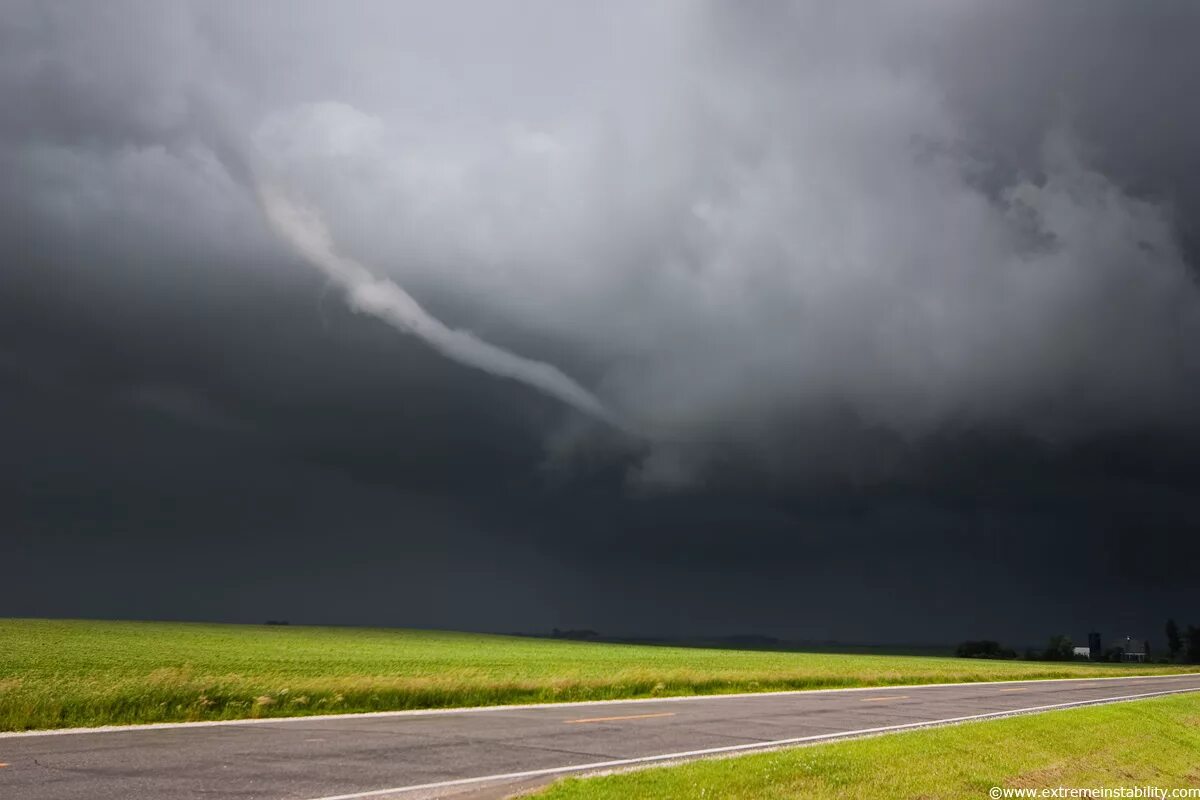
{"x": 63, "y": 673}
{"x": 1150, "y": 742}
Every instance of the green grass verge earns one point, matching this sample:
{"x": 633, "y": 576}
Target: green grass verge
{"x": 63, "y": 673}
{"x": 1149, "y": 742}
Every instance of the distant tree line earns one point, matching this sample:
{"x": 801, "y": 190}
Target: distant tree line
{"x": 584, "y": 634}
{"x": 1060, "y": 648}
{"x": 1182, "y": 646}
{"x": 984, "y": 648}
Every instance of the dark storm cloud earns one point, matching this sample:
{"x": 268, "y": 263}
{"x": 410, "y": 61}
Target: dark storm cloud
{"x": 896, "y": 299}
{"x": 1121, "y": 78}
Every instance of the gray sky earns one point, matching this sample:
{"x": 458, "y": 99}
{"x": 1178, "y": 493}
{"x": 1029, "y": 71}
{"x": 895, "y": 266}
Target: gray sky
{"x": 888, "y": 301}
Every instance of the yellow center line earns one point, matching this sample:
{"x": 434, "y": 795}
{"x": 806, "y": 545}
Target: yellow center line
{"x": 2, "y": 766}
{"x": 615, "y": 719}
{"x": 881, "y": 699}
{"x": 1019, "y": 689}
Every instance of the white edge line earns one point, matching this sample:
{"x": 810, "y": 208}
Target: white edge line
{"x": 691, "y": 754}
{"x": 413, "y": 712}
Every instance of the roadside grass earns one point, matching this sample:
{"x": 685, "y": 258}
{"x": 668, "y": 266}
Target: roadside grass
{"x": 67, "y": 673}
{"x": 1148, "y": 742}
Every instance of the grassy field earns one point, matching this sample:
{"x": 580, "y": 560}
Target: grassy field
{"x": 63, "y": 673}
{"x": 1150, "y": 742}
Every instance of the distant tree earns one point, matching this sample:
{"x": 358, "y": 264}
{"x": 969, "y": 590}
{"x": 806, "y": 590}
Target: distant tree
{"x": 1192, "y": 653}
{"x": 1059, "y": 648}
{"x": 1174, "y": 640}
{"x": 984, "y": 648}
{"x": 586, "y": 633}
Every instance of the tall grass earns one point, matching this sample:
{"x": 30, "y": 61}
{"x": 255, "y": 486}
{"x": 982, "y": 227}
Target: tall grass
{"x": 64, "y": 673}
{"x": 1125, "y": 745}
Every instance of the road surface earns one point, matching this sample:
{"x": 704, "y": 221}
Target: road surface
{"x": 488, "y": 752}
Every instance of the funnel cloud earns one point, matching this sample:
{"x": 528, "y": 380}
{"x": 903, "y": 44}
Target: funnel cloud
{"x": 303, "y": 230}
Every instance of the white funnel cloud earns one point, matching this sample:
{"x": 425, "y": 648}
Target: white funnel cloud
{"x": 304, "y": 230}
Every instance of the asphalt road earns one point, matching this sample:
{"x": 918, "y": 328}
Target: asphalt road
{"x": 487, "y": 752}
